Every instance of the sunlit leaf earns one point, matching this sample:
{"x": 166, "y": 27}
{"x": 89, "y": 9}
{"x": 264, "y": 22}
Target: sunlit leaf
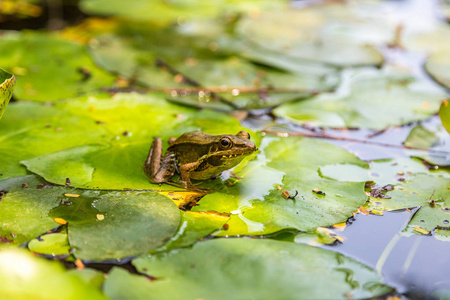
{"x": 257, "y": 205}
{"x": 37, "y": 129}
{"x": 7, "y": 83}
{"x": 444, "y": 114}
{"x": 25, "y": 276}
{"x": 159, "y": 11}
{"x": 68, "y": 72}
{"x": 260, "y": 269}
{"x": 370, "y": 99}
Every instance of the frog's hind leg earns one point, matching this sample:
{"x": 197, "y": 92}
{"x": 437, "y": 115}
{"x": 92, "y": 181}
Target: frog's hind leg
{"x": 159, "y": 168}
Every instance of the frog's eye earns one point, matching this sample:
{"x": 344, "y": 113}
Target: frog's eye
{"x": 226, "y": 142}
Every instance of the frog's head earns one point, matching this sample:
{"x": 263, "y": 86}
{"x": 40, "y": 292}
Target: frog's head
{"x": 229, "y": 150}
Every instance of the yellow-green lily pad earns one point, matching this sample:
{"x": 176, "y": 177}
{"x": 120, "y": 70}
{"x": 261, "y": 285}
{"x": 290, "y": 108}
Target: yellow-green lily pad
{"x": 132, "y": 121}
{"x": 444, "y": 114}
{"x": 7, "y": 83}
{"x": 163, "y": 12}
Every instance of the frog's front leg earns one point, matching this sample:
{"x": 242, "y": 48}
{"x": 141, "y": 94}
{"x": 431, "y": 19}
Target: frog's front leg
{"x": 159, "y": 168}
{"x": 185, "y": 171}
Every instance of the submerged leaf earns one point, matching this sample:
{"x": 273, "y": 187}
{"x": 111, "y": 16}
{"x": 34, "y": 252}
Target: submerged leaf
{"x": 255, "y": 269}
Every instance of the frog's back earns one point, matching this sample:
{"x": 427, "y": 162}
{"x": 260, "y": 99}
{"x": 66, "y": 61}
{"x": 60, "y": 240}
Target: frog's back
{"x": 190, "y": 146}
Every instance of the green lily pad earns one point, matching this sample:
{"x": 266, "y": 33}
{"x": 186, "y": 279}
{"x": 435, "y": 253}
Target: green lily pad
{"x": 444, "y": 114}
{"x": 236, "y": 75}
{"x": 373, "y": 100}
{"x": 37, "y": 129}
{"x": 437, "y": 65}
{"x": 116, "y": 225}
{"x": 133, "y": 121}
{"x": 194, "y": 226}
{"x": 311, "y": 34}
{"x": 436, "y": 139}
{"x": 412, "y": 184}
{"x": 50, "y": 244}
{"x": 101, "y": 225}
{"x": 257, "y": 205}
{"x": 246, "y": 268}
{"x": 431, "y": 219}
{"x": 260, "y": 87}
{"x": 24, "y": 210}
{"x": 67, "y": 73}
{"x": 167, "y": 12}
{"x": 7, "y": 83}
{"x": 25, "y": 276}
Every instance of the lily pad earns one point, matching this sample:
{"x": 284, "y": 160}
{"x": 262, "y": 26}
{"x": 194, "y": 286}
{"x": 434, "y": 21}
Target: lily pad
{"x": 247, "y": 85}
{"x": 313, "y": 34}
{"x": 167, "y": 12}
{"x": 238, "y": 75}
{"x": 444, "y": 114}
{"x": 101, "y": 225}
{"x": 115, "y": 225}
{"x": 67, "y": 73}
{"x": 437, "y": 65}
{"x": 430, "y": 220}
{"x": 7, "y": 83}
{"x": 246, "y": 268}
{"x": 24, "y": 210}
{"x": 37, "y": 129}
{"x": 134, "y": 120}
{"x": 194, "y": 226}
{"x": 25, "y": 276}
{"x": 371, "y": 99}
{"x": 411, "y": 184}
{"x": 436, "y": 139}
{"x": 257, "y": 205}
{"x": 50, "y": 244}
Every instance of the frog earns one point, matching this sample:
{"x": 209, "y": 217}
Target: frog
{"x": 196, "y": 155}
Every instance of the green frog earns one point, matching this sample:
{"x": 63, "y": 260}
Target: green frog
{"x": 196, "y": 155}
